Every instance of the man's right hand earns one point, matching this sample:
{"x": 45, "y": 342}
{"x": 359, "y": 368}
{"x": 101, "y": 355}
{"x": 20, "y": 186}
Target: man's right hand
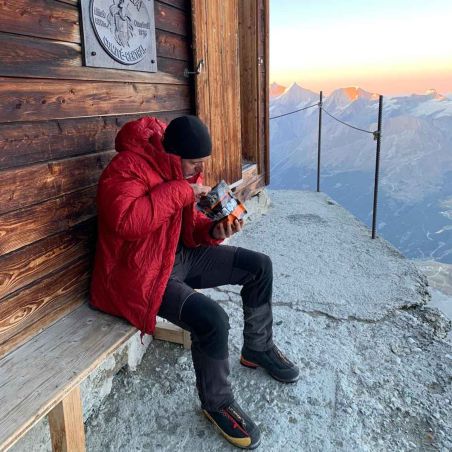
{"x": 200, "y": 190}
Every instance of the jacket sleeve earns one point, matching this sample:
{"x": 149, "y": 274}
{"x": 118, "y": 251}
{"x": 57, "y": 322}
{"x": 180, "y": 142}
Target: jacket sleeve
{"x": 202, "y": 231}
{"x": 129, "y": 208}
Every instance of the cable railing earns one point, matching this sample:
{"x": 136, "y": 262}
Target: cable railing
{"x": 376, "y": 136}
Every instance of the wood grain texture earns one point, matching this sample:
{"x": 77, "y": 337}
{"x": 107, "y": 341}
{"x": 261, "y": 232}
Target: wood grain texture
{"x": 24, "y": 56}
{"x": 166, "y": 331}
{"x": 24, "y": 314}
{"x": 218, "y": 86}
{"x": 23, "y": 143}
{"x": 23, "y": 187}
{"x": 30, "y": 263}
{"x": 266, "y": 89}
{"x": 22, "y": 227}
{"x": 66, "y": 424}
{"x": 170, "y": 45}
{"x": 60, "y": 21}
{"x": 36, "y": 99}
{"x": 264, "y": 86}
{"x": 201, "y": 52}
{"x": 70, "y": 2}
{"x": 181, "y": 4}
{"x": 41, "y": 18}
{"x": 175, "y": 67}
{"x": 250, "y": 187}
{"x": 171, "y": 19}
{"x": 35, "y": 377}
{"x": 249, "y": 79}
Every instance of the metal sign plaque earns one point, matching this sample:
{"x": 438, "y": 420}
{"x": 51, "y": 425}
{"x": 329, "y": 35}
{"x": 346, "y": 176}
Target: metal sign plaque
{"x": 119, "y": 34}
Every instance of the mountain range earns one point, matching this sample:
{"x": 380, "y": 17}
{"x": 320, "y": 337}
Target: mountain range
{"x": 415, "y": 189}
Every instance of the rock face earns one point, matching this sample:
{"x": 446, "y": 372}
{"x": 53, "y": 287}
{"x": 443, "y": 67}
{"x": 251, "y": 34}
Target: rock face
{"x": 351, "y": 311}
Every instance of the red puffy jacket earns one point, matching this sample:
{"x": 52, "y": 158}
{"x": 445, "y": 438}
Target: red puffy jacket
{"x": 144, "y": 206}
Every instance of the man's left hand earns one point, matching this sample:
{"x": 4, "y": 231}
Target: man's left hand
{"x": 220, "y": 232}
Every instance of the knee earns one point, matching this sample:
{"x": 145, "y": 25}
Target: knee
{"x": 206, "y": 319}
{"x": 258, "y": 264}
{"x": 213, "y": 331}
{"x": 214, "y": 324}
{"x": 265, "y": 264}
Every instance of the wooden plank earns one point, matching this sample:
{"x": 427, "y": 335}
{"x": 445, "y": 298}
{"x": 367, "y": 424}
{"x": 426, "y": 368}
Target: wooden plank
{"x": 250, "y": 187}
{"x": 170, "y": 45}
{"x": 25, "y": 314}
{"x": 24, "y": 143}
{"x": 70, "y": 2}
{"x": 224, "y": 88}
{"x": 42, "y": 220}
{"x": 166, "y": 331}
{"x": 249, "y": 79}
{"x": 41, "y": 18}
{"x": 35, "y": 377}
{"x": 23, "y": 56}
{"x": 218, "y": 87}
{"x": 23, "y": 267}
{"x": 174, "y": 67}
{"x": 264, "y": 86}
{"x": 171, "y": 19}
{"x": 36, "y": 99}
{"x": 201, "y": 52}
{"x": 181, "y": 4}
{"x": 23, "y": 187}
{"x": 267, "y": 93}
{"x": 66, "y": 424}
{"x": 61, "y": 21}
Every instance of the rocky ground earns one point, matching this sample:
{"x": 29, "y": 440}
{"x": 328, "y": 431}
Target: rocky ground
{"x": 439, "y": 276}
{"x": 376, "y": 372}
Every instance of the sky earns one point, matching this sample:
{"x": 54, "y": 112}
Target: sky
{"x": 387, "y": 46}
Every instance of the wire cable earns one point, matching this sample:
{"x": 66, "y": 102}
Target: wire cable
{"x": 349, "y": 125}
{"x": 295, "y": 111}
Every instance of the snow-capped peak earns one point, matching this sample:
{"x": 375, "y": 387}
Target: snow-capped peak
{"x": 276, "y": 89}
{"x": 342, "y": 97}
{"x": 434, "y": 94}
{"x": 295, "y": 94}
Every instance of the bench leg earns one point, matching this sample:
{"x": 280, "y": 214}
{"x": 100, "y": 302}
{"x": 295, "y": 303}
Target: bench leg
{"x": 66, "y": 424}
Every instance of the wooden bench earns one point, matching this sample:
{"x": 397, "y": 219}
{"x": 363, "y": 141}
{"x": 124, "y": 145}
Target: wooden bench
{"x": 43, "y": 376}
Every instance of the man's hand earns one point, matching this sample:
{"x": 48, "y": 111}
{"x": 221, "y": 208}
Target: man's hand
{"x": 220, "y": 232}
{"x": 200, "y": 190}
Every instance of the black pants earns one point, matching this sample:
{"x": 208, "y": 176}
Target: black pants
{"x": 207, "y": 321}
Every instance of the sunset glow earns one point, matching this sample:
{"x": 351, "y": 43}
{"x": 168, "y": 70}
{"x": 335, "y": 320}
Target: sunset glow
{"x": 397, "y": 47}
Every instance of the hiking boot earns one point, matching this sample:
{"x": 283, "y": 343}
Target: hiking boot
{"x": 273, "y": 361}
{"x": 236, "y": 426}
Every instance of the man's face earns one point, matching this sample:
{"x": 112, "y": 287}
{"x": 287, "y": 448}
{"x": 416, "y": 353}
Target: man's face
{"x": 190, "y": 167}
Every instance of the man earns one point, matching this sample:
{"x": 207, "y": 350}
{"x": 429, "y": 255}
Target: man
{"x": 154, "y": 249}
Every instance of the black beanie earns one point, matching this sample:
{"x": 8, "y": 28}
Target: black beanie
{"x": 188, "y": 137}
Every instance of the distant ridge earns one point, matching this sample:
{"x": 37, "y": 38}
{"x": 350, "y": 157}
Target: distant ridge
{"x": 276, "y": 90}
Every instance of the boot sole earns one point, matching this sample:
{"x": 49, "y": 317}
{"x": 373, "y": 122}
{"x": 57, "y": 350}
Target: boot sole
{"x": 234, "y": 441}
{"x": 251, "y": 365}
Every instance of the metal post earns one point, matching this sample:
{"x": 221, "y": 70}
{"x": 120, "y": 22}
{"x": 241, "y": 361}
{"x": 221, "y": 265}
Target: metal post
{"x": 377, "y": 165}
{"x": 319, "y": 143}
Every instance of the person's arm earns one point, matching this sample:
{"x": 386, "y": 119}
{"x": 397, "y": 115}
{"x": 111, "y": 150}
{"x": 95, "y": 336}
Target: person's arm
{"x": 127, "y": 206}
{"x": 203, "y": 232}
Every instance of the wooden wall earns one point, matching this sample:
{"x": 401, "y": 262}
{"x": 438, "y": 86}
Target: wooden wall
{"x": 254, "y": 85}
{"x": 58, "y": 121}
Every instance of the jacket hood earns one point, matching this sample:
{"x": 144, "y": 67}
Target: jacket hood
{"x": 140, "y": 134}
{"x": 144, "y": 137}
